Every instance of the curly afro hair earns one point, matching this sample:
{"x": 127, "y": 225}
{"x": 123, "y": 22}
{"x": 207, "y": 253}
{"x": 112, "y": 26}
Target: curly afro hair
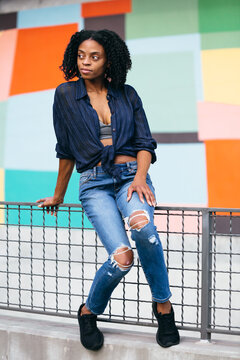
{"x": 115, "y": 48}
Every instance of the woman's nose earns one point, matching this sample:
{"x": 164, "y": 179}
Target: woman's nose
{"x": 86, "y": 61}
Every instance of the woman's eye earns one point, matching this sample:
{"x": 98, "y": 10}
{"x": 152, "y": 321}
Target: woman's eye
{"x": 95, "y": 57}
{"x": 80, "y": 56}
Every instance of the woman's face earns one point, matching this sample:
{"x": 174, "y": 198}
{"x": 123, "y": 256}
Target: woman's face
{"x": 91, "y": 60}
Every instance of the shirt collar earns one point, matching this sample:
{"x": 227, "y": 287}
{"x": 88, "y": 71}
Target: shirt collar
{"x": 112, "y": 92}
{"x": 81, "y": 91}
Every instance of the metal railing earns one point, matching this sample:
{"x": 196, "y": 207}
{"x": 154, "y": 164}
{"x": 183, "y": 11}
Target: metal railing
{"x": 47, "y": 265}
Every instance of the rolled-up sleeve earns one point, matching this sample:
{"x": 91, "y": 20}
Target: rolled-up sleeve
{"x": 143, "y": 139}
{"x": 62, "y": 146}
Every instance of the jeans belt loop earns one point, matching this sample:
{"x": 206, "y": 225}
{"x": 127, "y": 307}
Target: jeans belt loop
{"x": 95, "y": 172}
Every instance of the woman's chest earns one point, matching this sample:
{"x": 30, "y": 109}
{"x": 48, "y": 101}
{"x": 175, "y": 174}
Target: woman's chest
{"x": 101, "y": 106}
{"x": 83, "y": 117}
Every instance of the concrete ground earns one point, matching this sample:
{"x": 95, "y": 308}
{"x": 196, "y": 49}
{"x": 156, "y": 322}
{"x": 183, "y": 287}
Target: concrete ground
{"x": 26, "y": 336}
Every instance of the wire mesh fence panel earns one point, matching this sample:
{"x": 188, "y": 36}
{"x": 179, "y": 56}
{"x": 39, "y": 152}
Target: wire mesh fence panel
{"x": 47, "y": 265}
{"x": 225, "y": 271}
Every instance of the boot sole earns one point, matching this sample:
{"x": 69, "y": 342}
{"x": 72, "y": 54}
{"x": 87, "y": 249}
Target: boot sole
{"x": 93, "y": 349}
{"x": 168, "y": 344}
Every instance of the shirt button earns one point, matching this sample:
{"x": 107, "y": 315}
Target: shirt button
{"x": 114, "y": 129}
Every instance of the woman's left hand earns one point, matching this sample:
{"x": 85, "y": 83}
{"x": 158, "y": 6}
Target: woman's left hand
{"x": 141, "y": 187}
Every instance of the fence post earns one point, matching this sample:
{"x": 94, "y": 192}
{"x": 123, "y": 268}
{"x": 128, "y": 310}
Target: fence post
{"x": 206, "y": 275}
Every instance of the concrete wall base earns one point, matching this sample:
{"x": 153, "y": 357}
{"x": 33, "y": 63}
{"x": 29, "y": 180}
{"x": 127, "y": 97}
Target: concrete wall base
{"x": 30, "y": 337}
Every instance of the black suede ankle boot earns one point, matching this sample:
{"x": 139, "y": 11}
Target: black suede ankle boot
{"x": 167, "y": 334}
{"x": 91, "y": 337}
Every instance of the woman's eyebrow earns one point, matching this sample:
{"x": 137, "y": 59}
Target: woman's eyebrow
{"x": 93, "y": 52}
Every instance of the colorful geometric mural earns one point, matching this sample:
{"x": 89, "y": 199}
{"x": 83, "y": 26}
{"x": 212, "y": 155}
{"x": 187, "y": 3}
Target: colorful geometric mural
{"x": 186, "y": 57}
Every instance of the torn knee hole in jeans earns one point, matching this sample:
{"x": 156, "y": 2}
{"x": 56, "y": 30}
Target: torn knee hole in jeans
{"x": 138, "y": 219}
{"x": 124, "y": 262}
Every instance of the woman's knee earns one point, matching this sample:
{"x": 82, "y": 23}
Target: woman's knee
{"x": 138, "y": 219}
{"x": 123, "y": 257}
{"x": 142, "y": 228}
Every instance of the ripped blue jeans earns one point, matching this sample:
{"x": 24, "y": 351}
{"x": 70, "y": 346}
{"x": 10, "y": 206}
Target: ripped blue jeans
{"x": 104, "y": 200}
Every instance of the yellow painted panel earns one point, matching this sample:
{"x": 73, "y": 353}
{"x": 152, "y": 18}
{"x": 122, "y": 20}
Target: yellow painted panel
{"x": 1, "y": 193}
{"x": 221, "y": 75}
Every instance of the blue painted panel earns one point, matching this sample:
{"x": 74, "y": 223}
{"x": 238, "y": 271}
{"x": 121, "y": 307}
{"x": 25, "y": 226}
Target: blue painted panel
{"x": 30, "y": 139}
{"x": 190, "y": 43}
{"x": 57, "y": 15}
{"x": 179, "y": 175}
{"x": 29, "y": 186}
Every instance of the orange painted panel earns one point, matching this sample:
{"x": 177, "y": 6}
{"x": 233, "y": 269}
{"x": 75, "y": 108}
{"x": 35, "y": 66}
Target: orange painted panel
{"x": 39, "y": 53}
{"x": 223, "y": 173}
{"x": 103, "y": 8}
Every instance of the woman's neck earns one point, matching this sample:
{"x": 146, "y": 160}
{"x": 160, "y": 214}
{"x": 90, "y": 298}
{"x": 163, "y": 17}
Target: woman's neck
{"x": 96, "y": 86}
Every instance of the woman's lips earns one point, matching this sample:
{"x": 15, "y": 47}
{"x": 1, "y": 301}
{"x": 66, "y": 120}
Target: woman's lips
{"x": 86, "y": 71}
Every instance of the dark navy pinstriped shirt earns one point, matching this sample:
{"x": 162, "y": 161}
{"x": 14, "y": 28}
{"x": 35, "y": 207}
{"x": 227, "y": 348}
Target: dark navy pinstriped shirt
{"x": 77, "y": 126}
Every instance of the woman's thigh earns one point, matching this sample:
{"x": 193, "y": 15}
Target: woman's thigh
{"x": 128, "y": 208}
{"x": 101, "y": 209}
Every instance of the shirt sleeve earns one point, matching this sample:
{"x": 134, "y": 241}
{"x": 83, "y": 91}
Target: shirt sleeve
{"x": 143, "y": 139}
{"x": 62, "y": 146}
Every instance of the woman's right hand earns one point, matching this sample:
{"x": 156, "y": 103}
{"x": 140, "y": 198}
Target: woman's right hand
{"x": 50, "y": 203}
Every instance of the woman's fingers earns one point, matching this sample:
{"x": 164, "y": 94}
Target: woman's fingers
{"x": 40, "y": 200}
{"x": 142, "y": 191}
{"x": 49, "y": 204}
{"x": 147, "y": 193}
{"x": 129, "y": 193}
{"x": 140, "y": 194}
{"x": 150, "y": 197}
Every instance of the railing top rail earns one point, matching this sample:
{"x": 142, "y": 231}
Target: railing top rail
{"x": 187, "y": 208}
{"x": 15, "y": 203}
{"x": 158, "y": 207}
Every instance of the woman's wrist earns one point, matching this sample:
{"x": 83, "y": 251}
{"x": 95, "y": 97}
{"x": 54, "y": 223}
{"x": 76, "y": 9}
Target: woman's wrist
{"x": 58, "y": 199}
{"x": 141, "y": 176}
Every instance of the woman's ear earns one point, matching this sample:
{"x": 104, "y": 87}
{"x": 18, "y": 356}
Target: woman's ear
{"x": 107, "y": 73}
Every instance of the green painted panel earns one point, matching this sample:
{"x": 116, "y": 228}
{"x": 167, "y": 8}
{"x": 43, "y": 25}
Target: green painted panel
{"x": 219, "y": 15}
{"x": 29, "y": 186}
{"x": 161, "y": 17}
{"x": 220, "y": 40}
{"x": 3, "y": 110}
{"x": 167, "y": 87}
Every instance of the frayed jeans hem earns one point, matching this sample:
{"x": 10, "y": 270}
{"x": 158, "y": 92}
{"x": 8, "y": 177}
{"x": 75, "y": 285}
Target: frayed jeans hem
{"x": 92, "y": 311}
{"x": 161, "y": 301}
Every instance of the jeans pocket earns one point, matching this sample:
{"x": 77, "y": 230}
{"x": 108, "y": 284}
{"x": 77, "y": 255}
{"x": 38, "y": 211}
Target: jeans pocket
{"x": 84, "y": 178}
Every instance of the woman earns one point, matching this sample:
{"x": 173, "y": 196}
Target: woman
{"x": 101, "y": 126}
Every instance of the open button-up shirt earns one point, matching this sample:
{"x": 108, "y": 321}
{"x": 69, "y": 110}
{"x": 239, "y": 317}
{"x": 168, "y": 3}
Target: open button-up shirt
{"x": 77, "y": 126}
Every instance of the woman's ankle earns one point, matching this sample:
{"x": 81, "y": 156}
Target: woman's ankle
{"x": 85, "y": 311}
{"x": 164, "y": 308}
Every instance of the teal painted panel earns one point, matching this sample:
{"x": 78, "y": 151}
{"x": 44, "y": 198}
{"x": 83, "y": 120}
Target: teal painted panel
{"x": 220, "y": 15}
{"x": 179, "y": 175}
{"x": 29, "y": 186}
{"x": 3, "y": 114}
{"x": 57, "y": 15}
{"x": 220, "y": 40}
{"x": 167, "y": 85}
{"x": 161, "y": 17}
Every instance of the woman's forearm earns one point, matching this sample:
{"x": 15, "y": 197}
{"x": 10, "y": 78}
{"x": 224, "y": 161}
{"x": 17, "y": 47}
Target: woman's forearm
{"x": 64, "y": 173}
{"x": 143, "y": 162}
